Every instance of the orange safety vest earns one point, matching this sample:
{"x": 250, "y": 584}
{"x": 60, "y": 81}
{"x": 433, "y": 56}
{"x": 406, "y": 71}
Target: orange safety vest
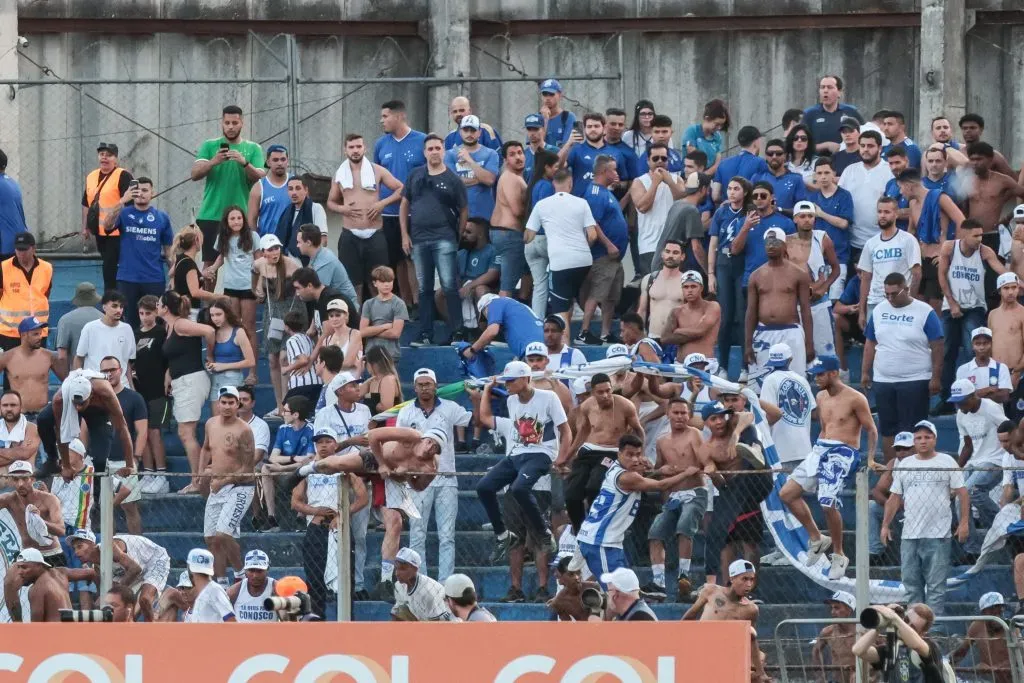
{"x": 23, "y": 297}
{"x": 110, "y": 196}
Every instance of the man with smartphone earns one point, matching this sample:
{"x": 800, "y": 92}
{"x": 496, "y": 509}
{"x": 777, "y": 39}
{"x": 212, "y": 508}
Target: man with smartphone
{"x": 230, "y": 166}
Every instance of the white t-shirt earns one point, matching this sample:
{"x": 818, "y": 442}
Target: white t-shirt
{"x": 867, "y": 187}
{"x": 446, "y": 415}
{"x": 1012, "y": 474}
{"x": 792, "y": 394}
{"x": 212, "y": 606}
{"x": 425, "y": 599}
{"x": 570, "y": 355}
{"x": 535, "y": 423}
{"x": 926, "y": 487}
{"x": 981, "y": 427}
{"x": 565, "y": 220}
{"x": 995, "y": 374}
{"x": 503, "y": 426}
{"x": 260, "y": 434}
{"x": 902, "y": 336}
{"x": 880, "y": 257}
{"x": 345, "y": 424}
{"x": 651, "y": 224}
{"x": 99, "y": 340}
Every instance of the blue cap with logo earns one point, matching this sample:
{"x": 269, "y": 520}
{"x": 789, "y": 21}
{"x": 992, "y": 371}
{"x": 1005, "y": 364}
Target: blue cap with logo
{"x": 716, "y": 408}
{"x": 550, "y": 87}
{"x": 30, "y": 323}
{"x": 533, "y": 121}
{"x": 823, "y": 364}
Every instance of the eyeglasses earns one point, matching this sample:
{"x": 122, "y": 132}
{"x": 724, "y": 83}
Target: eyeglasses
{"x": 800, "y": 138}
{"x": 647, "y": 113}
{"x": 659, "y": 158}
{"x": 774, "y": 154}
{"x": 761, "y": 195}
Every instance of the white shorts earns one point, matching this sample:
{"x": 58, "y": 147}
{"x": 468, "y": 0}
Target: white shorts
{"x": 823, "y": 329}
{"x": 131, "y": 482}
{"x": 189, "y": 393}
{"x": 155, "y": 575}
{"x": 825, "y": 470}
{"x": 767, "y": 335}
{"x": 225, "y": 510}
{"x": 836, "y": 290}
{"x": 398, "y": 496}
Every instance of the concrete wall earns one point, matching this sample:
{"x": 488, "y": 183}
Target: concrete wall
{"x": 158, "y": 127}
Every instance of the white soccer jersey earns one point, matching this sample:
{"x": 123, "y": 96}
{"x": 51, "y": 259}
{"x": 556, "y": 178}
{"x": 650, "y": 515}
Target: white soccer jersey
{"x": 611, "y": 514}
{"x": 425, "y": 599}
{"x": 212, "y": 606}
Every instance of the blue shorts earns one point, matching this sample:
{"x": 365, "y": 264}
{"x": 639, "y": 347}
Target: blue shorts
{"x": 826, "y": 470}
{"x": 901, "y": 405}
{"x": 602, "y": 559}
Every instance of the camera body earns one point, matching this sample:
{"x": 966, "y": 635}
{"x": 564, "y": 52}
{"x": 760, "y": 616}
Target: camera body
{"x": 295, "y": 608}
{"x": 105, "y": 614}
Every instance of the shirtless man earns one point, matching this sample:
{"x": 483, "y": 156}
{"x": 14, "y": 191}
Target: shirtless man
{"x": 27, "y": 366}
{"x": 731, "y": 603}
{"x": 843, "y": 413}
{"x": 985, "y": 200}
{"x": 661, "y": 292}
{"x": 48, "y": 593}
{"x": 1007, "y": 325}
{"x": 602, "y": 420}
{"x": 139, "y": 564}
{"x": 813, "y": 249}
{"x": 838, "y": 639}
{"x": 681, "y": 517}
{"x": 37, "y": 514}
{"x": 177, "y": 601}
{"x": 229, "y": 455}
{"x": 362, "y": 246}
{"x": 508, "y": 217}
{"x": 19, "y": 438}
{"x": 778, "y": 298}
{"x": 693, "y": 325}
{"x": 538, "y": 359}
{"x": 990, "y": 639}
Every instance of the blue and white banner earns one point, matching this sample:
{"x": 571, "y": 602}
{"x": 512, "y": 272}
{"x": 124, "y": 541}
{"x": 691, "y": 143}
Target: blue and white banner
{"x": 1006, "y": 523}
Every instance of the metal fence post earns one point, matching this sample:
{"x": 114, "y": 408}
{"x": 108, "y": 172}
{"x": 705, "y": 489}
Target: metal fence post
{"x": 293, "y": 98}
{"x": 344, "y": 558}
{"x": 106, "y": 532}
{"x": 863, "y": 556}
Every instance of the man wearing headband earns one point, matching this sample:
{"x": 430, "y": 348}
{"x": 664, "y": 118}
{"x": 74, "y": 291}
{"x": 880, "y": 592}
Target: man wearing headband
{"x": 693, "y": 325}
{"x": 813, "y": 249}
{"x": 778, "y": 298}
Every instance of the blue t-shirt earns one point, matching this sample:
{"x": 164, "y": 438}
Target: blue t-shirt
{"x": 274, "y": 201}
{"x": 694, "y": 135}
{"x": 560, "y": 128}
{"x": 517, "y": 321}
{"x": 839, "y": 204}
{"x": 12, "y": 213}
{"x": 743, "y": 164}
{"x": 628, "y": 168}
{"x": 293, "y": 443}
{"x": 609, "y": 217}
{"x": 142, "y": 235}
{"x": 454, "y": 139}
{"x": 824, "y": 125}
{"x": 399, "y": 157}
{"x": 542, "y": 189}
{"x": 725, "y": 225}
{"x": 892, "y": 189}
{"x": 480, "y": 197}
{"x": 675, "y": 162}
{"x": 944, "y": 183}
{"x": 851, "y": 293}
{"x": 789, "y": 188}
{"x": 581, "y": 160}
{"x": 473, "y": 264}
{"x": 754, "y": 248}
{"x": 913, "y": 152}
{"x": 528, "y": 169}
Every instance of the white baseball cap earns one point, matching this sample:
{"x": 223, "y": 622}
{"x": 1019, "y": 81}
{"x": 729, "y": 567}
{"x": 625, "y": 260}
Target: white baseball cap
{"x": 739, "y": 567}
{"x": 776, "y": 233}
{"x": 515, "y": 369}
{"x": 228, "y": 391}
{"x": 20, "y": 468}
{"x": 903, "y": 440}
{"x": 408, "y": 556}
{"x": 183, "y": 580}
{"x": 692, "y": 276}
{"x": 77, "y": 446}
{"x": 844, "y": 598}
{"x": 79, "y": 388}
{"x": 456, "y": 584}
{"x": 484, "y": 301}
{"x": 1018, "y": 212}
{"x": 694, "y": 358}
{"x": 616, "y": 350}
{"x": 200, "y": 561}
{"x": 581, "y": 385}
{"x": 269, "y": 241}
{"x": 437, "y": 435}
{"x": 1006, "y": 279}
{"x": 32, "y": 555}
{"x": 536, "y": 349}
{"x": 961, "y": 389}
{"x": 926, "y": 424}
{"x": 325, "y": 432}
{"x": 337, "y": 305}
{"x": 256, "y": 559}
{"x": 470, "y": 121}
{"x": 981, "y": 332}
{"x": 803, "y": 207}
{"x": 991, "y": 599}
{"x": 424, "y": 372}
{"x": 340, "y": 380}
{"x": 622, "y": 579}
{"x": 82, "y": 535}
{"x": 779, "y": 356}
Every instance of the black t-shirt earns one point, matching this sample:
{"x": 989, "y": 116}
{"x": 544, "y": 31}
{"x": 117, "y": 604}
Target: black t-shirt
{"x": 843, "y": 159}
{"x": 150, "y": 363}
{"x": 435, "y": 202}
{"x": 183, "y": 265}
{"x": 904, "y": 670}
{"x": 134, "y": 408}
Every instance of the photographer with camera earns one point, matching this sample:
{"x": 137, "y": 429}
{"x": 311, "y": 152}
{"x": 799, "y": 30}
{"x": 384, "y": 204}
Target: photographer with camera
{"x": 120, "y": 599}
{"x": 908, "y": 654}
{"x": 460, "y": 596}
{"x": 624, "y": 601}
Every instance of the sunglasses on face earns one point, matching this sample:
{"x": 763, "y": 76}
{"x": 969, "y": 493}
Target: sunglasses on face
{"x": 774, "y": 154}
{"x": 647, "y": 113}
{"x": 659, "y": 158}
{"x": 800, "y": 138}
{"x": 761, "y": 195}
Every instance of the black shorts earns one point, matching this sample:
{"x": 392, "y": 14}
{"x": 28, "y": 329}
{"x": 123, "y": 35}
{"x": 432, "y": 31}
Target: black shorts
{"x": 901, "y": 405}
{"x": 393, "y": 235}
{"x": 360, "y": 256}
{"x": 209, "y": 230}
{"x": 587, "y": 473}
{"x": 159, "y": 412}
{"x": 930, "y": 288}
{"x": 516, "y": 522}
{"x": 244, "y": 294}
{"x": 565, "y": 287}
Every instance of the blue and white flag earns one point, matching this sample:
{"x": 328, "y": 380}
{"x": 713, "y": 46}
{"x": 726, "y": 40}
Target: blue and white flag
{"x": 1006, "y": 523}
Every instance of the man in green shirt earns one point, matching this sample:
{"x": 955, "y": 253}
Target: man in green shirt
{"x": 230, "y": 166}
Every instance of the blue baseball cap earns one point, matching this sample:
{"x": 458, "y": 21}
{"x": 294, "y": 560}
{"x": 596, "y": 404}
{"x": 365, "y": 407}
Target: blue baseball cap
{"x": 823, "y": 364}
{"x": 550, "y": 86}
{"x": 533, "y": 121}
{"x": 716, "y": 408}
{"x": 30, "y": 323}
{"x": 276, "y": 148}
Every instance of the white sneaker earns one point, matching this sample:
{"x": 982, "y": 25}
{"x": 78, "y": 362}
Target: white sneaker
{"x": 815, "y": 549}
{"x": 145, "y": 483}
{"x": 838, "y": 568}
{"x": 844, "y": 375}
{"x": 742, "y": 379}
{"x": 158, "y": 485}
{"x": 773, "y": 559}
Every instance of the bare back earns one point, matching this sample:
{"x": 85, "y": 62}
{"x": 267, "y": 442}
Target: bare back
{"x": 232, "y": 449}
{"x": 49, "y": 595}
{"x": 778, "y": 288}
{"x": 510, "y": 202}
{"x": 838, "y": 415}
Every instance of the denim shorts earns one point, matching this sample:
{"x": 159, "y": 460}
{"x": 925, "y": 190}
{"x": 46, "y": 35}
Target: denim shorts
{"x": 228, "y": 378}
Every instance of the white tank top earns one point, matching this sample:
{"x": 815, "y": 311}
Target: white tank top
{"x": 816, "y": 259}
{"x": 145, "y": 552}
{"x": 249, "y": 608}
{"x": 322, "y": 491}
{"x": 567, "y": 542}
{"x": 650, "y": 225}
{"x": 966, "y": 279}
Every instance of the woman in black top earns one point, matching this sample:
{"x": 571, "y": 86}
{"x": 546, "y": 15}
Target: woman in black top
{"x": 185, "y": 381}
{"x": 149, "y": 371}
{"x": 383, "y": 390}
{"x": 186, "y": 278}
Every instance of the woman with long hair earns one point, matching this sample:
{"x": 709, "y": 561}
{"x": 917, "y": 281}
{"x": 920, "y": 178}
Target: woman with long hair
{"x": 706, "y": 136}
{"x": 383, "y": 390}
{"x": 725, "y": 269}
{"x": 545, "y": 164}
{"x": 273, "y": 287}
{"x": 640, "y": 130}
{"x": 149, "y": 371}
{"x": 800, "y": 153}
{"x": 186, "y": 278}
{"x": 230, "y": 354}
{"x": 238, "y": 247}
{"x": 186, "y": 381}
{"x": 536, "y": 252}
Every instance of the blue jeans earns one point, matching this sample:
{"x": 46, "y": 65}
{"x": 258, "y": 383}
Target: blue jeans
{"x": 732, "y": 299}
{"x": 440, "y": 255}
{"x": 521, "y": 471}
{"x": 925, "y": 565}
{"x": 876, "y": 514}
{"x": 511, "y": 259}
{"x": 957, "y": 335}
{"x": 979, "y": 483}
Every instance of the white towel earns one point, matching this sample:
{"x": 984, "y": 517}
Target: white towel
{"x": 366, "y": 176}
{"x": 70, "y": 424}
{"x": 36, "y": 527}
{"x": 14, "y": 435}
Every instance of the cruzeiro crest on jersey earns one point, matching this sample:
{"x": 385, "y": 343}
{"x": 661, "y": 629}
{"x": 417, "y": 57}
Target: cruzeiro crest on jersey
{"x": 794, "y": 401}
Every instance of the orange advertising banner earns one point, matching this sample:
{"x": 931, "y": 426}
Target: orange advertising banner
{"x": 510, "y": 652}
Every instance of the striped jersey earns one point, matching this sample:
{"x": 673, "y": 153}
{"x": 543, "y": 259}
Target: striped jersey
{"x": 300, "y": 344}
{"x": 611, "y": 514}
{"x": 76, "y": 496}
